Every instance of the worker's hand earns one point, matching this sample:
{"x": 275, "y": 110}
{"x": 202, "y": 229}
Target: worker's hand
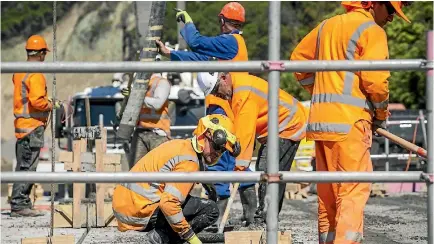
{"x": 212, "y": 192}
{"x": 163, "y": 50}
{"x": 56, "y": 104}
{"x": 194, "y": 240}
{"x": 184, "y": 17}
{"x": 378, "y": 124}
{"x": 125, "y": 91}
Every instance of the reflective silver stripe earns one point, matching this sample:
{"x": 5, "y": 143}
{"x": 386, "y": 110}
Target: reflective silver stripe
{"x": 22, "y": 130}
{"x": 329, "y": 127}
{"x": 327, "y": 237}
{"x": 24, "y": 93}
{"x": 297, "y": 134}
{"x": 170, "y": 164}
{"x": 32, "y": 115}
{"x": 149, "y": 194}
{"x": 354, "y": 236}
{"x": 307, "y": 81}
{"x": 381, "y": 105}
{"x": 337, "y": 98}
{"x": 174, "y": 192}
{"x": 252, "y": 89}
{"x": 318, "y": 41}
{"x": 242, "y": 163}
{"x": 350, "y": 52}
{"x": 176, "y": 218}
{"x": 131, "y": 220}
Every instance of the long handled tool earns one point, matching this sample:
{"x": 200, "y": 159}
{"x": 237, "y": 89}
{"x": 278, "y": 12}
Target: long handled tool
{"x": 402, "y": 142}
{"x": 228, "y": 208}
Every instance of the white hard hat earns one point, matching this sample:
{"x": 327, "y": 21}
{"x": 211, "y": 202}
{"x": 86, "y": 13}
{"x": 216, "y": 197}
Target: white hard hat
{"x": 207, "y": 81}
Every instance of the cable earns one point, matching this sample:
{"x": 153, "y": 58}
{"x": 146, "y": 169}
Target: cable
{"x": 53, "y": 119}
{"x": 414, "y": 140}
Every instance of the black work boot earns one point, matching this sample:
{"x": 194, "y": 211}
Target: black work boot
{"x": 27, "y": 212}
{"x": 249, "y": 202}
{"x": 156, "y": 237}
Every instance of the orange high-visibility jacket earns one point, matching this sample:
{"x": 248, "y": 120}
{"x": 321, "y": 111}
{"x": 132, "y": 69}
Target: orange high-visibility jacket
{"x": 250, "y": 107}
{"x": 242, "y": 54}
{"x": 134, "y": 203}
{"x": 224, "y": 104}
{"x": 340, "y": 98}
{"x": 151, "y": 118}
{"x": 31, "y": 105}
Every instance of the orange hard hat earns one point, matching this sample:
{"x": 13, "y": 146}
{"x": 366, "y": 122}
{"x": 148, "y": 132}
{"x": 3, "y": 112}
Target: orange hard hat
{"x": 36, "y": 42}
{"x": 233, "y": 11}
{"x": 397, "y": 5}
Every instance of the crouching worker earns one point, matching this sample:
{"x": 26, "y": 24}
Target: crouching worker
{"x": 166, "y": 210}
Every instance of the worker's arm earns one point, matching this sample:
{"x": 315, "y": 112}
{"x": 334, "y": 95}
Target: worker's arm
{"x": 373, "y": 46}
{"x": 306, "y": 51}
{"x": 174, "y": 196}
{"x": 214, "y": 109}
{"x": 161, "y": 94}
{"x": 246, "y": 113}
{"x": 222, "y": 47}
{"x": 38, "y": 93}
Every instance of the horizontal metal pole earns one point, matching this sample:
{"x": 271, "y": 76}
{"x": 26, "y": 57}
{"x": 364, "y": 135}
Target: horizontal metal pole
{"x": 207, "y": 177}
{"x": 206, "y": 66}
{"x": 374, "y": 156}
{"x": 399, "y": 122}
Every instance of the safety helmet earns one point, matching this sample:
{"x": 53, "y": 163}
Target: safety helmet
{"x": 397, "y": 5}
{"x": 207, "y": 81}
{"x": 36, "y": 43}
{"x": 233, "y": 11}
{"x": 222, "y": 133}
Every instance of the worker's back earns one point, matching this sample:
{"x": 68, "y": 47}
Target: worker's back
{"x": 340, "y": 98}
{"x": 139, "y": 200}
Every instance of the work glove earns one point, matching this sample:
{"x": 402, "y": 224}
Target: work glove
{"x": 56, "y": 103}
{"x": 194, "y": 240}
{"x": 212, "y": 192}
{"x": 183, "y": 16}
{"x": 125, "y": 91}
{"x": 378, "y": 124}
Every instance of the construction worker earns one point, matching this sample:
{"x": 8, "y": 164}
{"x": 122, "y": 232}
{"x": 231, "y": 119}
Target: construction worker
{"x": 31, "y": 110}
{"x": 166, "y": 210}
{"x": 345, "y": 108}
{"x": 153, "y": 127}
{"x": 230, "y": 45}
{"x": 248, "y": 100}
{"x": 247, "y": 191}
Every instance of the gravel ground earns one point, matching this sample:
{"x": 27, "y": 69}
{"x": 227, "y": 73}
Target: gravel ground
{"x": 393, "y": 219}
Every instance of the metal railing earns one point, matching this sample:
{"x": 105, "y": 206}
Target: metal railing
{"x": 273, "y": 177}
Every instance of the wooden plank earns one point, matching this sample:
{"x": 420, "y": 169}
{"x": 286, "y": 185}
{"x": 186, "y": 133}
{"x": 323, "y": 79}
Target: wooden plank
{"x": 66, "y": 239}
{"x": 66, "y": 156}
{"x": 112, "y": 163}
{"x": 254, "y": 237}
{"x": 100, "y": 189}
{"x": 109, "y": 219}
{"x": 78, "y": 188}
{"x": 63, "y": 215}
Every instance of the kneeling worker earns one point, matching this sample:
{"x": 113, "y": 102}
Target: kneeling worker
{"x": 166, "y": 210}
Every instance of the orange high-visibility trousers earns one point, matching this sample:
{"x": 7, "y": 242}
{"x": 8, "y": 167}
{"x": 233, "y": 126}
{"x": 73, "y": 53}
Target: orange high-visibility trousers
{"x": 341, "y": 205}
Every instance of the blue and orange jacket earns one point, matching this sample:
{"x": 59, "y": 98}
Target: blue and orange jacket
{"x": 223, "y": 47}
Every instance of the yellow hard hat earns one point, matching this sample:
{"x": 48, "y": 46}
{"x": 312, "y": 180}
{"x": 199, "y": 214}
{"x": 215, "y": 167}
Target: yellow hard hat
{"x": 37, "y": 43}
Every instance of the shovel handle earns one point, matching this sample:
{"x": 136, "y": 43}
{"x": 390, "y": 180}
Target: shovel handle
{"x": 402, "y": 142}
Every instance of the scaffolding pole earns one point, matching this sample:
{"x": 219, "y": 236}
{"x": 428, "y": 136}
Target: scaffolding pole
{"x": 208, "y": 66}
{"x": 430, "y": 148}
{"x": 210, "y": 177}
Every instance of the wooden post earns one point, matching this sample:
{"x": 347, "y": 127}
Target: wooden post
{"x": 78, "y": 188}
{"x": 100, "y": 149}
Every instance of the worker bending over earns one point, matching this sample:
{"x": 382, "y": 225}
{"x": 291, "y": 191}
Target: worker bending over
{"x": 346, "y": 107}
{"x": 248, "y": 100}
{"x": 153, "y": 126}
{"x": 247, "y": 191}
{"x": 229, "y": 45}
{"x": 166, "y": 210}
{"x": 31, "y": 110}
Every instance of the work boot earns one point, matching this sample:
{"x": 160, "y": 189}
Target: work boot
{"x": 221, "y": 205}
{"x": 156, "y": 237}
{"x": 27, "y": 212}
{"x": 249, "y": 202}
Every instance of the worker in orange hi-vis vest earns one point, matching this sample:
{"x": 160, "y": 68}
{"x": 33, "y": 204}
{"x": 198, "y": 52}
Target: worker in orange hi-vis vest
{"x": 248, "y": 100}
{"x": 31, "y": 110}
{"x": 345, "y": 108}
{"x": 166, "y": 210}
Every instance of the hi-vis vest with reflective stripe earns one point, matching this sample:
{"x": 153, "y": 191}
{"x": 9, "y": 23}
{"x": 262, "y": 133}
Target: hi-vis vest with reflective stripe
{"x": 224, "y": 104}
{"x": 134, "y": 203}
{"x": 292, "y": 115}
{"x": 339, "y": 97}
{"x": 27, "y": 116}
{"x": 150, "y": 118}
{"x": 242, "y": 54}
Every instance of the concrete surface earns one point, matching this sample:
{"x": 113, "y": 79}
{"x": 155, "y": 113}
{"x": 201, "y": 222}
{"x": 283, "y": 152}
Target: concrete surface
{"x": 393, "y": 219}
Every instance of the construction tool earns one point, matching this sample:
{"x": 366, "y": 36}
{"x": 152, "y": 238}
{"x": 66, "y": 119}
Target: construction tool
{"x": 141, "y": 80}
{"x": 228, "y": 208}
{"x": 402, "y": 142}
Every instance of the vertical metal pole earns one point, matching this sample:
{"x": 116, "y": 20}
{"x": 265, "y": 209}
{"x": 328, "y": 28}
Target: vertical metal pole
{"x": 273, "y": 103}
{"x": 430, "y": 148}
{"x": 423, "y": 126}
{"x": 53, "y": 119}
{"x": 386, "y": 148}
{"x": 181, "y": 42}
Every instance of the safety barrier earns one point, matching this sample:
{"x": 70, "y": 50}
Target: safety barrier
{"x": 274, "y": 66}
